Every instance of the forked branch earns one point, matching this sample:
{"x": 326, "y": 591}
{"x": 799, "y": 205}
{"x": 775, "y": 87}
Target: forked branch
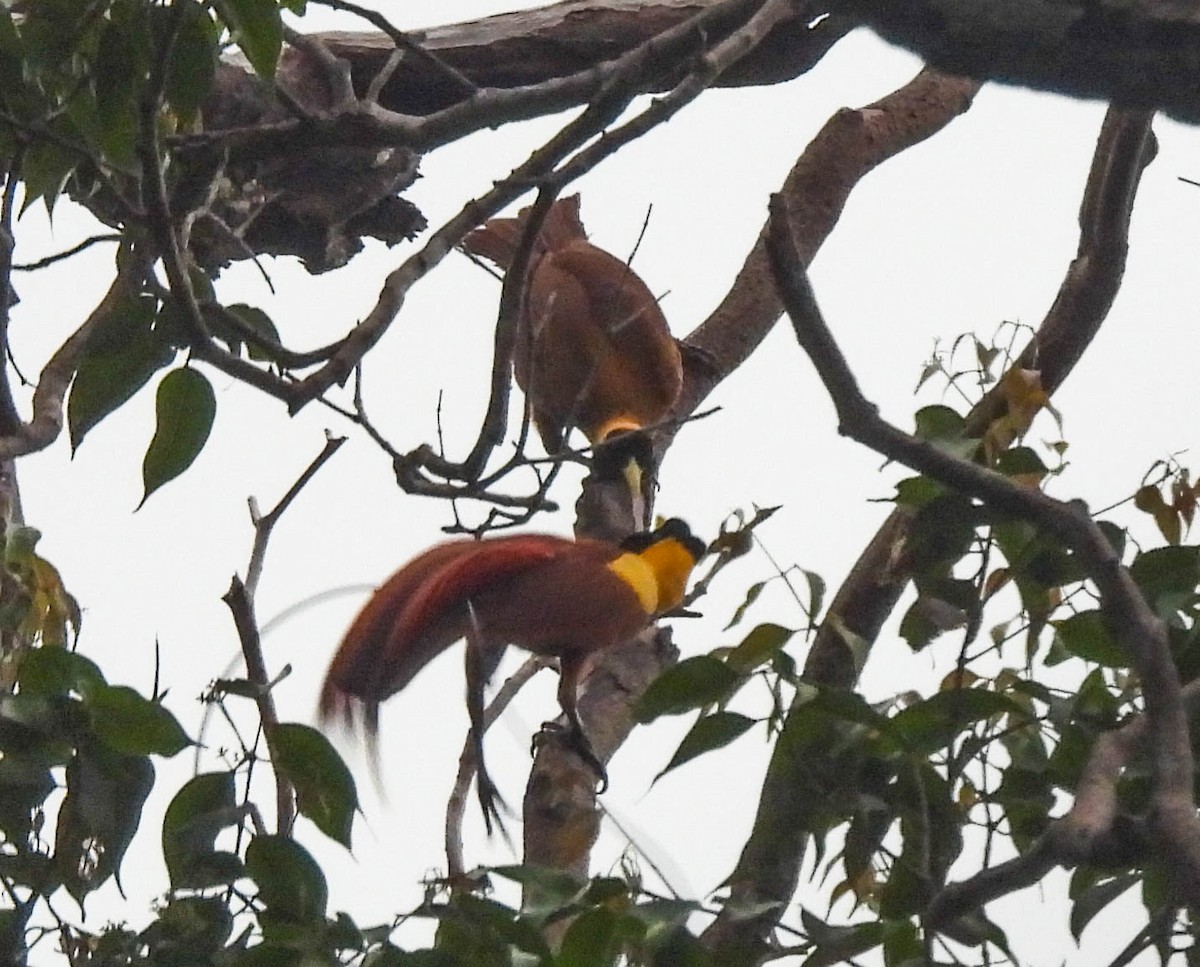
{"x": 1175, "y": 828}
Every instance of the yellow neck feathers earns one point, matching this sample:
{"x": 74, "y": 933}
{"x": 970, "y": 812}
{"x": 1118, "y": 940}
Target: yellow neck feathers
{"x": 658, "y": 574}
{"x": 613, "y": 425}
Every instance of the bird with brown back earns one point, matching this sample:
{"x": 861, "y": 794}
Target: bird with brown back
{"x": 552, "y": 596}
{"x": 593, "y": 349}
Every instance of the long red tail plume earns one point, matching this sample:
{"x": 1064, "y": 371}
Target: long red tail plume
{"x": 415, "y": 615}
{"x": 352, "y": 680}
{"x": 497, "y": 239}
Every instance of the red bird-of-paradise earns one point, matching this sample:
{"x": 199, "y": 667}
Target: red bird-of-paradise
{"x": 593, "y": 349}
{"x": 550, "y": 595}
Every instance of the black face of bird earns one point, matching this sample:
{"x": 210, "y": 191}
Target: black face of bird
{"x": 674, "y": 528}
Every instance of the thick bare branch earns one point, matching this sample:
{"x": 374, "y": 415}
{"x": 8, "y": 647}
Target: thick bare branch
{"x": 516, "y": 65}
{"x": 1143, "y": 54}
{"x": 561, "y": 818}
{"x": 848, "y": 147}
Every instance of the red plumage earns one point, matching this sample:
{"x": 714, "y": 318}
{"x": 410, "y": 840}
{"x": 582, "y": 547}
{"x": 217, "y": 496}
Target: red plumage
{"x": 546, "y": 594}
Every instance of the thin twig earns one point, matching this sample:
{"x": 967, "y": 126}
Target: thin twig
{"x": 456, "y": 806}
{"x": 240, "y": 600}
{"x": 265, "y": 524}
{"x": 242, "y": 608}
{"x": 404, "y": 42}
{"x": 49, "y": 260}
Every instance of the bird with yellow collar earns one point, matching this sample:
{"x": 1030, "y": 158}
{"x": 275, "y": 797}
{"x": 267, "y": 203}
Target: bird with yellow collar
{"x": 552, "y": 596}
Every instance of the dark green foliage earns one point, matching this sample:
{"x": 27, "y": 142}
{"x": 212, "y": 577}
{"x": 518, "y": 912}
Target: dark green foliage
{"x": 325, "y": 791}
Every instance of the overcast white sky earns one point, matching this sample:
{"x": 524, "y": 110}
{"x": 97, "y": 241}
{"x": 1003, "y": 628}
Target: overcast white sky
{"x": 972, "y": 228}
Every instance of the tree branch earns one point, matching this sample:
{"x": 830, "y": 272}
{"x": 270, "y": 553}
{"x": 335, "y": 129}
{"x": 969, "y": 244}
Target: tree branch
{"x": 240, "y": 601}
{"x": 1143, "y": 54}
{"x": 621, "y": 81}
{"x": 850, "y": 145}
{"x": 875, "y": 583}
{"x": 1134, "y": 625}
{"x": 769, "y": 865}
{"x": 1087, "y": 833}
{"x": 456, "y": 807}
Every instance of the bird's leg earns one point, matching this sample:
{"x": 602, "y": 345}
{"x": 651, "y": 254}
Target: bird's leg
{"x": 570, "y": 672}
{"x": 481, "y": 661}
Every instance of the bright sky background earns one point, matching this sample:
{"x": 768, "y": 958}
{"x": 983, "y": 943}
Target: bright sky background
{"x": 972, "y": 228}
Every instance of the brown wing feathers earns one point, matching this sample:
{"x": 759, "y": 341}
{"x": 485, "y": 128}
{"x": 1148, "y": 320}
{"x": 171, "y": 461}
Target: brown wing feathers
{"x": 593, "y": 347}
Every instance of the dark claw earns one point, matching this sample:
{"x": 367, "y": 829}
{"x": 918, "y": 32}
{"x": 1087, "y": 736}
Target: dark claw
{"x": 577, "y": 742}
{"x": 491, "y": 803}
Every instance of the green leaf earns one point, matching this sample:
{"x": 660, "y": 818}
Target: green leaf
{"x": 592, "y": 940}
{"x": 974, "y": 930}
{"x": 935, "y": 722}
{"x": 129, "y": 723}
{"x": 1094, "y": 899}
{"x": 120, "y": 70}
{"x": 258, "y": 29}
{"x": 99, "y": 816}
{"x": 13, "y": 949}
{"x": 496, "y": 925}
{"x": 917, "y": 491}
{"x": 752, "y": 594}
{"x": 1085, "y": 635}
{"x": 199, "y": 925}
{"x": 927, "y": 618}
{"x": 693, "y": 683}
{"x": 939, "y": 423}
{"x": 38, "y": 727}
{"x": 198, "y": 812}
{"x": 122, "y": 353}
{"x": 290, "y": 883}
{"x": 44, "y": 172}
{"x": 758, "y": 647}
{"x": 1167, "y": 577}
{"x": 56, "y": 671}
{"x": 551, "y": 886}
{"x": 12, "y": 57}
{"x": 186, "y": 406}
{"x": 260, "y": 323}
{"x": 946, "y": 429}
{"x": 24, "y": 786}
{"x": 942, "y": 533}
{"x": 902, "y": 945}
{"x": 193, "y": 62}
{"x": 816, "y": 593}
{"x": 1021, "y": 462}
{"x": 325, "y": 791}
{"x": 388, "y": 955}
{"x": 709, "y": 733}
{"x": 834, "y": 944}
